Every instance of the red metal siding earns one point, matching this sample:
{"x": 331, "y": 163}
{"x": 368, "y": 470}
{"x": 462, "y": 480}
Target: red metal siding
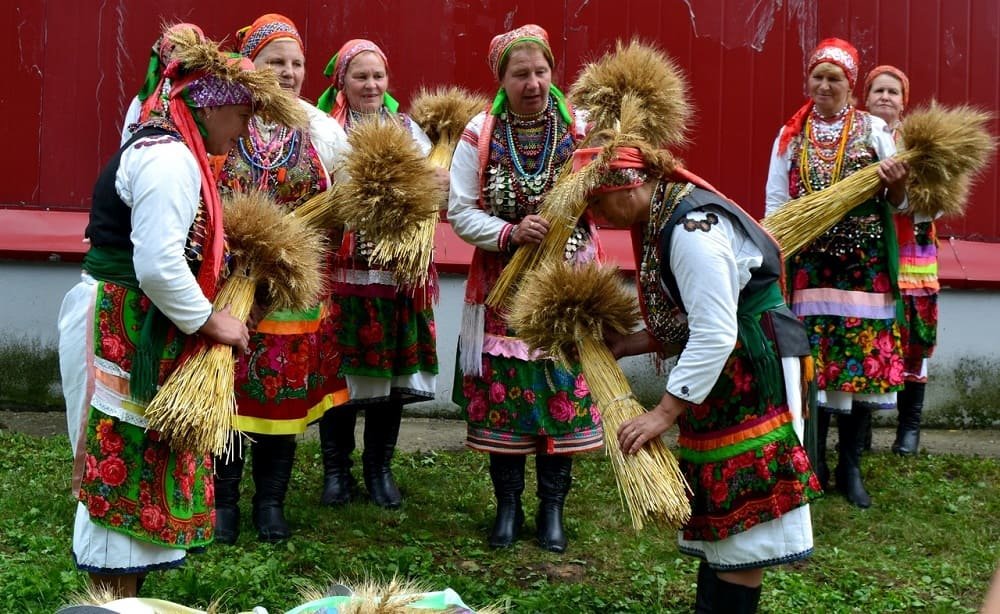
{"x": 78, "y": 63}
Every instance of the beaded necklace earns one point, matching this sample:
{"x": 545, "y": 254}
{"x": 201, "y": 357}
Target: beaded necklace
{"x": 824, "y": 147}
{"x": 663, "y": 316}
{"x": 267, "y": 148}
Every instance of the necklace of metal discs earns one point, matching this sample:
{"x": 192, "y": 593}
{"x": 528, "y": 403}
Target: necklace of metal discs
{"x": 531, "y": 146}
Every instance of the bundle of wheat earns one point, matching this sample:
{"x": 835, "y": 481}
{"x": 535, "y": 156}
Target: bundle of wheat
{"x": 194, "y": 408}
{"x": 392, "y": 198}
{"x": 564, "y": 311}
{"x": 945, "y": 148}
{"x": 443, "y": 114}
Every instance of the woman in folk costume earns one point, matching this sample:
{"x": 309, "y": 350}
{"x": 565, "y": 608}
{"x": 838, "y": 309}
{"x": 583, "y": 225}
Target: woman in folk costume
{"x": 143, "y": 103}
{"x": 887, "y": 93}
{"x": 289, "y": 377}
{"x": 143, "y": 306}
{"x": 387, "y": 333}
{"x": 709, "y": 287}
{"x": 843, "y": 285}
{"x": 516, "y": 403}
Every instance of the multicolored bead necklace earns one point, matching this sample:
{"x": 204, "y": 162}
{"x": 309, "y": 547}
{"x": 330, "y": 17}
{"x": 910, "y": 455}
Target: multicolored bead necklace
{"x": 826, "y": 145}
{"x": 269, "y": 148}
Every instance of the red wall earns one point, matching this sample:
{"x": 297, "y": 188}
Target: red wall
{"x": 77, "y": 63}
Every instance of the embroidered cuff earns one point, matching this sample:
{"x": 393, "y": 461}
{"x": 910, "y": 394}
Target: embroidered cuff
{"x": 504, "y": 243}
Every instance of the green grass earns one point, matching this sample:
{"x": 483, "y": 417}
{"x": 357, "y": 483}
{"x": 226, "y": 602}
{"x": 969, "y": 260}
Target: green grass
{"x": 929, "y": 544}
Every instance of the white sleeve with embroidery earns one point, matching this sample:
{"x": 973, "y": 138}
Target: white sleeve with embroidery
{"x": 329, "y": 140}
{"x": 776, "y": 190}
{"x": 711, "y": 264}
{"x": 423, "y": 142}
{"x": 471, "y": 223}
{"x": 162, "y": 185}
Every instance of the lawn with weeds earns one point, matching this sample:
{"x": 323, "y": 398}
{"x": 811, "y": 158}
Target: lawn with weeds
{"x": 928, "y": 544}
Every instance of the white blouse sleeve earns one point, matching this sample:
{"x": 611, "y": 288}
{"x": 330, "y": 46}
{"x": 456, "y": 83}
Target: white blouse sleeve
{"x": 162, "y": 185}
{"x": 885, "y": 147}
{"x": 329, "y": 140}
{"x": 705, "y": 265}
{"x": 131, "y": 117}
{"x": 471, "y": 223}
{"x": 423, "y": 142}
{"x": 776, "y": 190}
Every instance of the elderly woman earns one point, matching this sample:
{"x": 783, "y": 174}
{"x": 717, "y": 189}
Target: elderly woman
{"x": 516, "y": 403}
{"x": 289, "y": 377}
{"x": 709, "y": 286}
{"x": 387, "y": 335}
{"x": 843, "y": 285}
{"x": 156, "y": 256}
{"x": 887, "y": 92}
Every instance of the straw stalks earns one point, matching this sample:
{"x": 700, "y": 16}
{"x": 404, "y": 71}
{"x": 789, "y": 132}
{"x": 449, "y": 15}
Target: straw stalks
{"x": 392, "y": 199}
{"x": 564, "y": 310}
{"x": 443, "y": 114}
{"x": 270, "y": 251}
{"x": 945, "y": 148}
{"x": 397, "y": 596}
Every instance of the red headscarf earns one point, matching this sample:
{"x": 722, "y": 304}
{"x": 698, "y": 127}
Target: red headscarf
{"x": 829, "y": 51}
{"x": 502, "y": 43}
{"x": 266, "y": 28}
{"x": 886, "y": 69}
{"x": 625, "y": 159}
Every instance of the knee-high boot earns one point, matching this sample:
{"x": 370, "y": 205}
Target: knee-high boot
{"x": 911, "y": 408}
{"x": 704, "y": 598}
{"x": 273, "y": 456}
{"x": 555, "y": 475}
{"x": 850, "y": 428}
{"x": 227, "y": 497}
{"x": 336, "y": 440}
{"x": 381, "y": 434}
{"x": 507, "y": 474}
{"x": 735, "y": 598}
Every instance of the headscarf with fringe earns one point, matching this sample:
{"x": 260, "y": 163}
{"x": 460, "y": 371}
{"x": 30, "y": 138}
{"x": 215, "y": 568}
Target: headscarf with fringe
{"x": 501, "y": 45}
{"x": 159, "y": 58}
{"x": 265, "y": 29}
{"x": 834, "y": 51}
{"x": 888, "y": 69}
{"x": 334, "y": 100}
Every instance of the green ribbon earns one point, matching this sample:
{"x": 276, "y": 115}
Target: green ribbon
{"x": 114, "y": 265}
{"x": 329, "y": 97}
{"x": 153, "y": 73}
{"x": 500, "y": 103}
{"x": 758, "y": 347}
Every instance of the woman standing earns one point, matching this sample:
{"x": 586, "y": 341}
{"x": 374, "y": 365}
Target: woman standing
{"x": 887, "y": 93}
{"x": 387, "y": 336}
{"x": 289, "y": 377}
{"x": 709, "y": 287}
{"x": 157, "y": 253}
{"x": 516, "y": 403}
{"x": 843, "y": 285}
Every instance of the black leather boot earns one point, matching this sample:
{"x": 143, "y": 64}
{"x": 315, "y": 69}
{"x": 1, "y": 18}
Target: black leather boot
{"x": 866, "y": 433}
{"x": 850, "y": 428}
{"x": 704, "y": 598}
{"x": 911, "y": 408}
{"x": 507, "y": 474}
{"x": 273, "y": 456}
{"x": 555, "y": 475}
{"x": 735, "y": 598}
{"x": 227, "y": 497}
{"x": 336, "y": 440}
{"x": 381, "y": 433}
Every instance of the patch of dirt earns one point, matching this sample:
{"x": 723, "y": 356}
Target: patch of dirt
{"x": 424, "y": 434}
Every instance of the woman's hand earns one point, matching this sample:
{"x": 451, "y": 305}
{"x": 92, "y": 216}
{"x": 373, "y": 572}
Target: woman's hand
{"x": 635, "y": 433}
{"x": 222, "y": 327}
{"x": 532, "y": 229}
{"x": 893, "y": 174}
{"x": 443, "y": 178}
{"x": 632, "y": 344}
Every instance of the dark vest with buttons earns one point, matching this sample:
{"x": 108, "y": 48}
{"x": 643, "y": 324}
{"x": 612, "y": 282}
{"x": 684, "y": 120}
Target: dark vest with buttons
{"x": 783, "y": 326}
